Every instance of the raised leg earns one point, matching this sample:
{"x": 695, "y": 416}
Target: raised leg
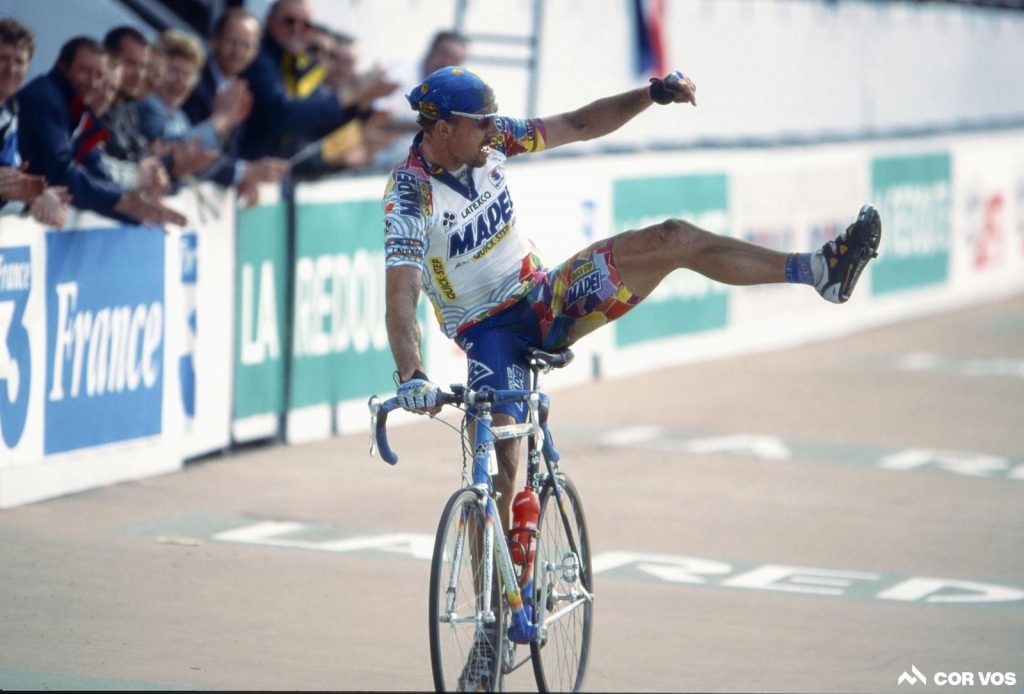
{"x": 645, "y": 256}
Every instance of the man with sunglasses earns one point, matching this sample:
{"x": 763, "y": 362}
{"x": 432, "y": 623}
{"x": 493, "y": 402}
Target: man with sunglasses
{"x": 234, "y": 41}
{"x": 450, "y": 229}
{"x": 288, "y": 110}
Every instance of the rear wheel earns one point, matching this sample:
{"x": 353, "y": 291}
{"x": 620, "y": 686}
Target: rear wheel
{"x": 563, "y": 591}
{"x": 465, "y": 626}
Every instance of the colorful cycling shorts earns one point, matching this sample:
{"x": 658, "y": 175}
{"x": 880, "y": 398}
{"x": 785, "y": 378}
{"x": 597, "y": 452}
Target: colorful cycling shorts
{"x": 569, "y": 301}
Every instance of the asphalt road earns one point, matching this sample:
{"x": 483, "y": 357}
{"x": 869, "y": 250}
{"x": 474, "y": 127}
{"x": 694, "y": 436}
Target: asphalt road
{"x": 821, "y": 519}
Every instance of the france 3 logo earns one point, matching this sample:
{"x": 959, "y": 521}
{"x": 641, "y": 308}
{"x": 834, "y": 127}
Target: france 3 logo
{"x": 15, "y": 355}
{"x": 189, "y": 247}
{"x": 104, "y": 337}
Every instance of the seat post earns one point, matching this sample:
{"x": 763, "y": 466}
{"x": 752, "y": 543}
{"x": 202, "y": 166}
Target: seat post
{"x": 538, "y": 375}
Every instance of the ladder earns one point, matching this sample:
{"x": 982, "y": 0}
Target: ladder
{"x": 502, "y": 42}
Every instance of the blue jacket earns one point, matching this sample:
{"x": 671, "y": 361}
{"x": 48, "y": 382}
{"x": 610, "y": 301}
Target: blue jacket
{"x": 275, "y": 116}
{"x": 51, "y": 114}
{"x": 9, "y": 148}
{"x": 9, "y": 134}
{"x": 199, "y": 107}
{"x": 158, "y": 122}
{"x": 200, "y": 103}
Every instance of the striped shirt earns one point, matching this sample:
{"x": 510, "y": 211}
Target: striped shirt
{"x": 461, "y": 231}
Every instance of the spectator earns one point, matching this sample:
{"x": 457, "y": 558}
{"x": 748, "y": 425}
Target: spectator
{"x": 143, "y": 63}
{"x": 446, "y": 48}
{"x": 287, "y": 110}
{"x": 91, "y": 134}
{"x": 234, "y": 41}
{"x": 181, "y": 158}
{"x": 55, "y": 101}
{"x": 160, "y": 113}
{"x": 108, "y": 86}
{"x": 336, "y": 53}
{"x": 132, "y": 50}
{"x": 47, "y": 205}
{"x": 148, "y": 174}
{"x": 353, "y": 144}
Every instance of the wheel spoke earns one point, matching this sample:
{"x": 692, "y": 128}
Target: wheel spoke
{"x": 465, "y": 630}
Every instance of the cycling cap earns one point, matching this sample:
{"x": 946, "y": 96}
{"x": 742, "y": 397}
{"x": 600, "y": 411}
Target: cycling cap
{"x": 453, "y": 91}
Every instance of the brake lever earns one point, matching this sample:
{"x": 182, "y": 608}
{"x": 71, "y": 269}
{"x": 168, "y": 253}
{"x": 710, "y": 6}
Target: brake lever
{"x": 374, "y": 405}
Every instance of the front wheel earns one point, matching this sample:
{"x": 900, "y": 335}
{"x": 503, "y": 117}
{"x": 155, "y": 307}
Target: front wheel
{"x": 563, "y": 590}
{"x": 465, "y": 620}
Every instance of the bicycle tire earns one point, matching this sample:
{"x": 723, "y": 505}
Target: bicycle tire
{"x": 560, "y": 660}
{"x": 456, "y": 630}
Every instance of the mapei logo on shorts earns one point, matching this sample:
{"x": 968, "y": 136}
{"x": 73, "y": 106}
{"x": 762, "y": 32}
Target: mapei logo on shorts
{"x": 104, "y": 337}
{"x": 585, "y": 280}
{"x": 15, "y": 355}
{"x": 488, "y": 221}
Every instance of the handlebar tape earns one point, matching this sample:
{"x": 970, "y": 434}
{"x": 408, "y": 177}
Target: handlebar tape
{"x": 381, "y": 434}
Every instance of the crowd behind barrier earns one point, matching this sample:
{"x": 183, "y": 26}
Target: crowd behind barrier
{"x": 174, "y": 281}
{"x": 127, "y": 351}
{"x": 120, "y": 123}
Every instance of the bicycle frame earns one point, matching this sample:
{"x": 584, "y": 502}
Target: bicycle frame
{"x": 495, "y": 548}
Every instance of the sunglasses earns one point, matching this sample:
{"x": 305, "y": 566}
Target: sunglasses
{"x": 291, "y": 22}
{"x": 483, "y": 120}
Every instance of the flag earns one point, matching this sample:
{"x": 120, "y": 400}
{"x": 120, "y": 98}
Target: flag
{"x": 651, "y": 49}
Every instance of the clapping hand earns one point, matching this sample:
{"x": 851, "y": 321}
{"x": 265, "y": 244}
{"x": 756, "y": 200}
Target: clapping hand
{"x": 17, "y": 184}
{"x": 52, "y": 207}
{"x": 370, "y": 86}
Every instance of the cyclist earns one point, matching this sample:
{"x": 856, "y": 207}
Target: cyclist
{"x": 450, "y": 229}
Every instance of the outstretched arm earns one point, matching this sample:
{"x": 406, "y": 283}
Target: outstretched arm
{"x": 607, "y": 115}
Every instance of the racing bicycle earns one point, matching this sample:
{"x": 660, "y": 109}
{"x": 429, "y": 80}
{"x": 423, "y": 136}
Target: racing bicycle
{"x": 492, "y": 609}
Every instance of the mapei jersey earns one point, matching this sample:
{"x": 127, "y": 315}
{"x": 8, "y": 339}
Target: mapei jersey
{"x": 461, "y": 231}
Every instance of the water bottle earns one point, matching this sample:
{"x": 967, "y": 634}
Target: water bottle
{"x": 523, "y": 538}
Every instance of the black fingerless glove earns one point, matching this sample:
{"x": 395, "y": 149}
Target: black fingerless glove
{"x": 660, "y": 94}
{"x": 415, "y": 374}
